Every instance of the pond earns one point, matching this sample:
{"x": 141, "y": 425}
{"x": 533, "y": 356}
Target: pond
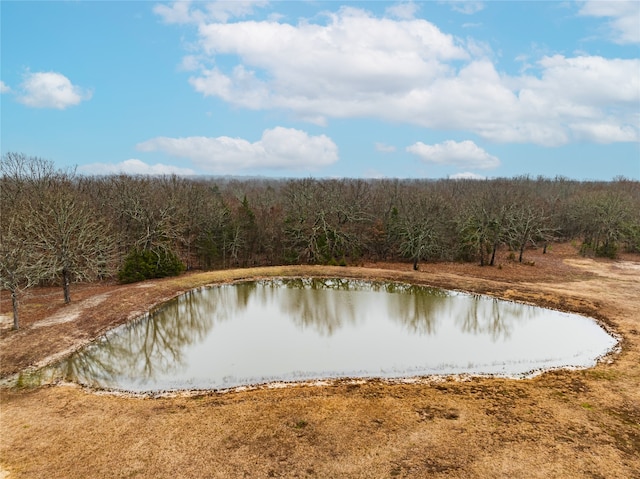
{"x": 306, "y": 329}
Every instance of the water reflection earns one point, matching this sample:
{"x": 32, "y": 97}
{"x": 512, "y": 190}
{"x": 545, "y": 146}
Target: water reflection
{"x": 150, "y": 346}
{"x": 418, "y": 309}
{"x": 309, "y": 306}
{"x": 154, "y": 344}
{"x": 487, "y": 316}
{"x": 304, "y": 328}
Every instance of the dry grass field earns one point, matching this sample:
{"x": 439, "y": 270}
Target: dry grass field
{"x": 569, "y": 424}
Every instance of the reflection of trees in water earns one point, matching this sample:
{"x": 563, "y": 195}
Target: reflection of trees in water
{"x": 91, "y": 365}
{"x": 311, "y": 304}
{"x": 417, "y": 308}
{"x": 493, "y": 316}
{"x": 244, "y": 292}
{"x": 152, "y": 345}
{"x": 420, "y": 308}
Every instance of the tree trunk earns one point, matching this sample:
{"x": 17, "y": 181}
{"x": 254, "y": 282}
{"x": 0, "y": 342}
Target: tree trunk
{"x": 415, "y": 264}
{"x": 65, "y": 286}
{"x": 521, "y": 253}
{"x": 14, "y": 302}
{"x": 493, "y": 254}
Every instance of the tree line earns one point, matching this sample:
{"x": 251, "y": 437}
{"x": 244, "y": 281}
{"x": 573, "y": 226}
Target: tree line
{"x": 59, "y": 227}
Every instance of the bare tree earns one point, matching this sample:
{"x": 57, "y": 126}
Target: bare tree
{"x": 419, "y": 228}
{"x": 604, "y": 218}
{"x": 484, "y": 220}
{"x": 19, "y": 268}
{"x": 527, "y": 225}
{"x": 71, "y": 239}
{"x": 23, "y": 179}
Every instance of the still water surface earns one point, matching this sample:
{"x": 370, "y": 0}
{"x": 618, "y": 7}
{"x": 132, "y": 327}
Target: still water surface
{"x": 302, "y": 329}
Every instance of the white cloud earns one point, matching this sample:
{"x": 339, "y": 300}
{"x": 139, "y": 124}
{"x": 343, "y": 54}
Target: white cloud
{"x": 4, "y": 88}
{"x": 604, "y": 132}
{"x": 319, "y": 71}
{"x": 356, "y": 65}
{"x": 278, "y": 148}
{"x": 467, "y": 175}
{"x": 578, "y": 95}
{"x": 51, "y": 90}
{"x": 598, "y": 80}
{"x": 463, "y": 154}
{"x": 403, "y": 10}
{"x": 624, "y": 23}
{"x": 183, "y": 11}
{"x": 384, "y": 148}
{"x": 178, "y": 12}
{"x": 134, "y": 167}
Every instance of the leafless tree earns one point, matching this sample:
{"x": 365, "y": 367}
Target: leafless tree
{"x": 22, "y": 180}
{"x": 72, "y": 240}
{"x": 20, "y": 269}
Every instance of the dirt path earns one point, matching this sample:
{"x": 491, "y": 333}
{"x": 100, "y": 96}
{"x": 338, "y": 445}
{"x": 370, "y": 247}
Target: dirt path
{"x": 570, "y": 424}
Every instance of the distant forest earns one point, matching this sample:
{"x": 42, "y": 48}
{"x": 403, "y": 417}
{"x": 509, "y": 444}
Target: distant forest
{"x": 60, "y": 227}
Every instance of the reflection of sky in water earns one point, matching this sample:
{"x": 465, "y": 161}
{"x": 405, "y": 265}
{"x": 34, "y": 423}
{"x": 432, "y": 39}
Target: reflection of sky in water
{"x": 255, "y": 332}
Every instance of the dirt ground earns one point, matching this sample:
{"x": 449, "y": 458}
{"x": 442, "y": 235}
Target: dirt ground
{"x": 569, "y": 424}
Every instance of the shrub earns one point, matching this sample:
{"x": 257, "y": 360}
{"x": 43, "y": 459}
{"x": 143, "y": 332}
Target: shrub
{"x": 147, "y": 264}
{"x": 607, "y": 250}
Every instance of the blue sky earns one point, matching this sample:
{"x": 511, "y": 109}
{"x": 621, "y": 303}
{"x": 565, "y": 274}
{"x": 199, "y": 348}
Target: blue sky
{"x": 325, "y": 88}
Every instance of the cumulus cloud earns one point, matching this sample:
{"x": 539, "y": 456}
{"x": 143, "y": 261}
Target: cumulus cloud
{"x": 583, "y": 79}
{"x": 4, "y": 88}
{"x": 279, "y": 148}
{"x": 578, "y": 95}
{"x": 604, "y": 132}
{"x": 624, "y": 23}
{"x": 354, "y": 64}
{"x": 463, "y": 154}
{"x": 348, "y": 67}
{"x": 134, "y": 166}
{"x": 51, "y": 90}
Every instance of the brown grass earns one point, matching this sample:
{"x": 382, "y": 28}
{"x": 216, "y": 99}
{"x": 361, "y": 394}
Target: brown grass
{"x": 570, "y": 424}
